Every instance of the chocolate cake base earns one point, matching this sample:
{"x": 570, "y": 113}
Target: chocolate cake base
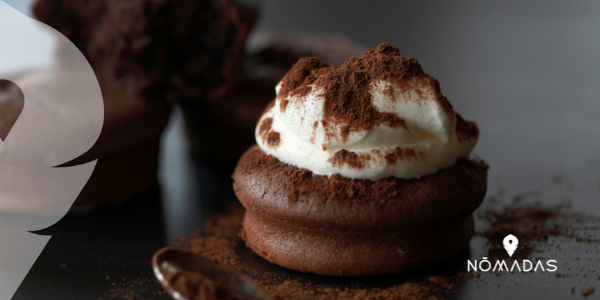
{"x": 333, "y": 225}
{"x": 353, "y": 253}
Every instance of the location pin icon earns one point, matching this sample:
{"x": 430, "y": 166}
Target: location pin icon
{"x": 12, "y": 102}
{"x": 510, "y": 244}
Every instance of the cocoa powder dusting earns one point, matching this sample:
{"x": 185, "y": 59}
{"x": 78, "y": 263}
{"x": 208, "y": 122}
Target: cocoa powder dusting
{"x": 359, "y": 161}
{"x": 265, "y": 127}
{"x": 273, "y": 139}
{"x": 283, "y": 105}
{"x": 301, "y": 74}
{"x": 403, "y": 153}
{"x": 347, "y": 89}
{"x": 352, "y": 159}
{"x": 266, "y": 133}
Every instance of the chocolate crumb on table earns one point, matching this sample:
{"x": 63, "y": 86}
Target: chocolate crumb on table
{"x": 220, "y": 241}
{"x": 588, "y": 291}
{"x": 530, "y": 224}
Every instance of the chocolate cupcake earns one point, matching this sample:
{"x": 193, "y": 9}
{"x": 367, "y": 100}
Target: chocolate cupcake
{"x": 363, "y": 169}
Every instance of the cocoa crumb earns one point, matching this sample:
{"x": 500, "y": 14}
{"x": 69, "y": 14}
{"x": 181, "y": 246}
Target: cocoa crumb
{"x": 588, "y": 291}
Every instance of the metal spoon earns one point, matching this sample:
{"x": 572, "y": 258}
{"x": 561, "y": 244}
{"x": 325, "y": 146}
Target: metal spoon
{"x": 170, "y": 262}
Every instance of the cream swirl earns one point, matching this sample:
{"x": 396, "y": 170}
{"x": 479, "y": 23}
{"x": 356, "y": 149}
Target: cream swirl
{"x": 364, "y": 124}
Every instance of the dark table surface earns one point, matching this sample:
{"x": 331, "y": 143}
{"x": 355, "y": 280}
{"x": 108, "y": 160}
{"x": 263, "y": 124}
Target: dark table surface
{"x": 528, "y": 73}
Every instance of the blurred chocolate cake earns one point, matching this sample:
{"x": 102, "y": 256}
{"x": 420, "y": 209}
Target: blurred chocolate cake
{"x": 146, "y": 54}
{"x": 187, "y": 48}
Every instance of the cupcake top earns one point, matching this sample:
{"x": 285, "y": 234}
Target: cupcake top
{"x": 376, "y": 116}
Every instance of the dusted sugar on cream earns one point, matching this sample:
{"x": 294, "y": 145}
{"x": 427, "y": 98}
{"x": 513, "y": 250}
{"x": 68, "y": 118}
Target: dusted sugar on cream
{"x": 374, "y": 117}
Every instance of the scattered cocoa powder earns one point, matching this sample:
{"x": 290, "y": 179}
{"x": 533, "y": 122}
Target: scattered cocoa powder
{"x": 218, "y": 237}
{"x": 532, "y": 224}
{"x": 529, "y": 224}
{"x": 197, "y": 287}
{"x": 220, "y": 242}
{"x": 538, "y": 228}
{"x": 141, "y": 288}
{"x": 434, "y": 287}
{"x": 588, "y": 291}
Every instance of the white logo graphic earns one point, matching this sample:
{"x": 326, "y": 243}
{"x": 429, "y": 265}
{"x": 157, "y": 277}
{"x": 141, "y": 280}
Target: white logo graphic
{"x": 510, "y": 244}
{"x": 58, "y": 118}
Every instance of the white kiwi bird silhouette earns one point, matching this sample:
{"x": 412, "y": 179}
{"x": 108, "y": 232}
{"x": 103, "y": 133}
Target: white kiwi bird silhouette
{"x": 61, "y": 119}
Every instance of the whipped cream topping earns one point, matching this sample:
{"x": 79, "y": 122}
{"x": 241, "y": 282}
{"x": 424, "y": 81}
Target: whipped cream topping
{"x": 364, "y": 121}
